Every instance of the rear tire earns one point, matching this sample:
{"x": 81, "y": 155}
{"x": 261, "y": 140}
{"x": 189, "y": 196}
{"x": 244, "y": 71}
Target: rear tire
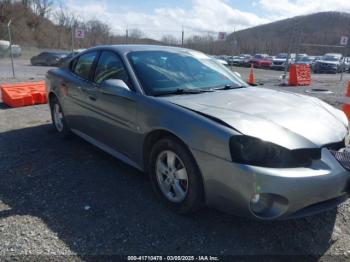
{"x": 58, "y": 120}
{"x": 175, "y": 176}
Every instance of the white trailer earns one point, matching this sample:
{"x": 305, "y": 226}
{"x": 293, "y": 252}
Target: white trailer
{"x": 4, "y": 48}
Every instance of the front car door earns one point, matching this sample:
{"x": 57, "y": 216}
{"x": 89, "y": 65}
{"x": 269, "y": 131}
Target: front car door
{"x": 113, "y": 116}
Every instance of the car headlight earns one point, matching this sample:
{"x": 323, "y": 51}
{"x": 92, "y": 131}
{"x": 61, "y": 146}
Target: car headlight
{"x": 256, "y": 152}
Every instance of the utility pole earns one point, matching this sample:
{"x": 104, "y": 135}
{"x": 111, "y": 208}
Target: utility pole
{"x": 292, "y": 38}
{"x": 234, "y": 41}
{"x": 126, "y": 35}
{"x": 73, "y": 29}
{"x": 11, "y": 54}
{"x": 182, "y": 36}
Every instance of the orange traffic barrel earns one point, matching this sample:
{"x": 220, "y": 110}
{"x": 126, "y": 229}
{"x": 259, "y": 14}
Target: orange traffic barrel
{"x": 251, "y": 78}
{"x": 299, "y": 75}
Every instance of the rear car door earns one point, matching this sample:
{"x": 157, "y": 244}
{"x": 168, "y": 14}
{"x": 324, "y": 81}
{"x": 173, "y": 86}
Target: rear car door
{"x": 114, "y": 116}
{"x": 77, "y": 83}
{"x": 41, "y": 59}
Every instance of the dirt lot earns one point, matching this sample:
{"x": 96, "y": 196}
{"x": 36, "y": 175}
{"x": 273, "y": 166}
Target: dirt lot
{"x": 69, "y": 198}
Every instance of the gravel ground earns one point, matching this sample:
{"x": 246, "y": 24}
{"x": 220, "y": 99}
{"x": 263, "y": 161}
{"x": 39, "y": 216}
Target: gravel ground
{"x": 69, "y": 198}
{"x": 23, "y": 70}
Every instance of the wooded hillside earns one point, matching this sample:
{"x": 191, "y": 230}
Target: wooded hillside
{"x": 42, "y": 24}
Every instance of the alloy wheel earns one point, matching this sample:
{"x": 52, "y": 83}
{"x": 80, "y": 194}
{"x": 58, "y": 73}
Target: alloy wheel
{"x": 171, "y": 176}
{"x": 58, "y": 117}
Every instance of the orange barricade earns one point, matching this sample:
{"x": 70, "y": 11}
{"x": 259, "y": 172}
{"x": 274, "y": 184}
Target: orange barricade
{"x": 24, "y": 94}
{"x": 299, "y": 75}
{"x": 346, "y": 110}
{"x": 346, "y": 107}
{"x": 348, "y": 89}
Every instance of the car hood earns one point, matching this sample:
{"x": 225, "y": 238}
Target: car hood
{"x": 279, "y": 60}
{"x": 288, "y": 119}
{"x": 328, "y": 62}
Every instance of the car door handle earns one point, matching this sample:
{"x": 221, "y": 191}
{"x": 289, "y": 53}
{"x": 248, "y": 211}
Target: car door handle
{"x": 92, "y": 98}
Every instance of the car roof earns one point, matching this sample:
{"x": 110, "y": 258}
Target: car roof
{"x": 54, "y": 52}
{"x": 132, "y": 48}
{"x": 333, "y": 54}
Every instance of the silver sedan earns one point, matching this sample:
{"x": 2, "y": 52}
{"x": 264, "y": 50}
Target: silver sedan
{"x": 202, "y": 134}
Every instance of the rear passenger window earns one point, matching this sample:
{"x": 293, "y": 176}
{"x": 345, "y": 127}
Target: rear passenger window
{"x": 110, "y": 66}
{"x": 83, "y": 66}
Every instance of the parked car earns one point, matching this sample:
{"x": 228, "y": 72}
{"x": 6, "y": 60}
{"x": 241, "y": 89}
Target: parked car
{"x": 347, "y": 64}
{"x": 244, "y": 60}
{"x": 280, "y": 61}
{"x": 299, "y": 56}
{"x": 223, "y": 57}
{"x": 16, "y": 50}
{"x": 257, "y": 58}
{"x": 306, "y": 60}
{"x": 48, "y": 58}
{"x": 234, "y": 61}
{"x": 201, "y": 133}
{"x": 330, "y": 63}
{"x": 4, "y": 48}
{"x": 65, "y": 59}
{"x": 265, "y": 62}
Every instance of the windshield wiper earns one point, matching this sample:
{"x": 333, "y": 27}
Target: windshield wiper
{"x": 181, "y": 91}
{"x": 228, "y": 87}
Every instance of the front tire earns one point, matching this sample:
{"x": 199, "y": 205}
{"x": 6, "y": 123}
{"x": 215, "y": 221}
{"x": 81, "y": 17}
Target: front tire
{"x": 175, "y": 176}
{"x": 58, "y": 120}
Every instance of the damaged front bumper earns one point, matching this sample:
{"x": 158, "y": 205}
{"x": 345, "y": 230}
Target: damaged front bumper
{"x": 273, "y": 193}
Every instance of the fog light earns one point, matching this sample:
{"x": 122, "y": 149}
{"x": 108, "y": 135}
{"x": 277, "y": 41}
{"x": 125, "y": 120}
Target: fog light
{"x": 260, "y": 203}
{"x": 255, "y": 199}
{"x": 268, "y": 206}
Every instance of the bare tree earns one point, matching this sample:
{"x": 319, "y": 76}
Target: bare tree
{"x": 26, "y": 3}
{"x": 64, "y": 18}
{"x": 170, "y": 40}
{"x": 97, "y": 32}
{"x": 42, "y": 7}
{"x": 136, "y": 33}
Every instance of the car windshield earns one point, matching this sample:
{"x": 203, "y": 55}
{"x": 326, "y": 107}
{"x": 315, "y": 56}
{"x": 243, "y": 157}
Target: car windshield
{"x": 164, "y": 72}
{"x": 58, "y": 54}
{"x": 282, "y": 56}
{"x": 330, "y": 58}
{"x": 305, "y": 59}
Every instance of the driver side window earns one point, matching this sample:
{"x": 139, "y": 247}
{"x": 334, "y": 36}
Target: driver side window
{"x": 84, "y": 64}
{"x": 110, "y": 66}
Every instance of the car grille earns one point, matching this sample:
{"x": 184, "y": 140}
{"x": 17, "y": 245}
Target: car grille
{"x": 343, "y": 158}
{"x": 335, "y": 146}
{"x": 325, "y": 66}
{"x": 278, "y": 63}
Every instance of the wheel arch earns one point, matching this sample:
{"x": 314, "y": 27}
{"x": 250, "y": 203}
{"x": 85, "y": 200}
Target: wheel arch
{"x": 51, "y": 97}
{"x": 154, "y": 136}
{"x": 158, "y": 134}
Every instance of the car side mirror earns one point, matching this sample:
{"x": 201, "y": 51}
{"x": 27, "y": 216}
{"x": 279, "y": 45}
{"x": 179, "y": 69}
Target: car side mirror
{"x": 113, "y": 86}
